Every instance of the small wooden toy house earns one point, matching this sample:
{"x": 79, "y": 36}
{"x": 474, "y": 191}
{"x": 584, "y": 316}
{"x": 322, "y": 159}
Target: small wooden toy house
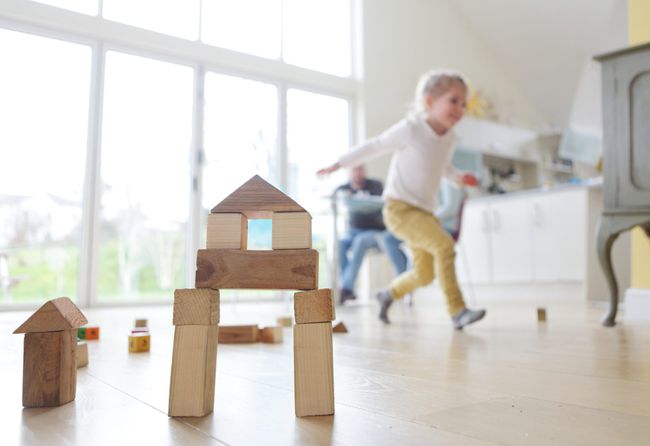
{"x": 49, "y": 363}
{"x": 290, "y": 264}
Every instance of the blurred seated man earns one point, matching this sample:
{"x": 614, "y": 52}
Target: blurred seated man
{"x": 365, "y": 230}
{"x": 450, "y": 199}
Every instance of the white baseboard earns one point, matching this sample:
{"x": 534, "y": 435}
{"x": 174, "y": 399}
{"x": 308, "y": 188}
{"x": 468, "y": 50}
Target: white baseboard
{"x": 637, "y": 305}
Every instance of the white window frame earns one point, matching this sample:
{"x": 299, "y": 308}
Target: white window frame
{"x": 103, "y": 35}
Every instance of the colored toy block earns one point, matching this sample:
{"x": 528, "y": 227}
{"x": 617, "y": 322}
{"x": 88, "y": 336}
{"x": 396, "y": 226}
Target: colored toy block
{"x": 313, "y": 369}
{"x": 140, "y": 323}
{"x": 139, "y": 342}
{"x": 49, "y": 357}
{"x": 313, "y": 306}
{"x": 271, "y": 335}
{"x": 339, "y": 328}
{"x": 285, "y": 321}
{"x": 194, "y": 362}
{"x": 291, "y": 230}
{"x": 196, "y": 307}
{"x": 227, "y": 231}
{"x": 82, "y": 354}
{"x": 257, "y": 199}
{"x": 88, "y": 333}
{"x": 238, "y": 334}
{"x": 541, "y": 314}
{"x": 292, "y": 269}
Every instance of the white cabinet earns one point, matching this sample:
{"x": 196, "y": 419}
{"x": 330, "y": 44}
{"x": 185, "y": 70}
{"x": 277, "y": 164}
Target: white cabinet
{"x": 526, "y": 238}
{"x": 559, "y": 225}
{"x": 474, "y": 245}
{"x": 510, "y": 237}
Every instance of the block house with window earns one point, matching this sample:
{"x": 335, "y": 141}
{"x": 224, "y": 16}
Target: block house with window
{"x": 291, "y": 264}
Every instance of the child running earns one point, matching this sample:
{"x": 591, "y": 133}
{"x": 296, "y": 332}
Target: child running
{"x": 422, "y": 145}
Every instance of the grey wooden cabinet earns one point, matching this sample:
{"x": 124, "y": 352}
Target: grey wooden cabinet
{"x": 626, "y": 154}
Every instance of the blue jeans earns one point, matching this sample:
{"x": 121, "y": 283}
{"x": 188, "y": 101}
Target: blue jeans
{"x": 354, "y": 245}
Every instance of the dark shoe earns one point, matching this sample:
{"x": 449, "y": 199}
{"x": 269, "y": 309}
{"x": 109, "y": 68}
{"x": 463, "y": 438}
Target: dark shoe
{"x": 385, "y": 299}
{"x": 466, "y": 317}
{"x": 346, "y": 294}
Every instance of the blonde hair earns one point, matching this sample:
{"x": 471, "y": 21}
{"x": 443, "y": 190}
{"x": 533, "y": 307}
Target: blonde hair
{"x": 434, "y": 83}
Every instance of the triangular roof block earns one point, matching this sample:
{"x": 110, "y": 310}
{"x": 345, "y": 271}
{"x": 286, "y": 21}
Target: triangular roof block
{"x": 257, "y": 198}
{"x": 55, "y": 315}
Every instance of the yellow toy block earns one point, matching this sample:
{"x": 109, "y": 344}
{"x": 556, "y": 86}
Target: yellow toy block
{"x": 139, "y": 342}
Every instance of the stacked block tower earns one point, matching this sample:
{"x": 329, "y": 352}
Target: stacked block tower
{"x": 291, "y": 264}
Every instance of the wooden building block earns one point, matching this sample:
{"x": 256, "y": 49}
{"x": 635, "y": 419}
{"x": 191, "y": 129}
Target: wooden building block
{"x": 291, "y": 230}
{"x": 285, "y": 321}
{"x": 339, "y": 328}
{"x": 291, "y": 269}
{"x": 196, "y": 307}
{"x": 141, "y": 323}
{"x": 82, "y": 354}
{"x": 313, "y": 306}
{"x": 313, "y": 369}
{"x": 194, "y": 366}
{"x": 541, "y": 314}
{"x": 257, "y": 199}
{"x": 139, "y": 342}
{"x": 238, "y": 334}
{"x": 54, "y": 315}
{"x": 271, "y": 335}
{"x": 88, "y": 333}
{"x": 49, "y": 368}
{"x": 227, "y": 231}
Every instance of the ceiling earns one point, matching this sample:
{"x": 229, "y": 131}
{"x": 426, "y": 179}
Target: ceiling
{"x": 546, "y": 45}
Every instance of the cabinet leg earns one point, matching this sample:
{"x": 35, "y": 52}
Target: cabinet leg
{"x": 606, "y": 238}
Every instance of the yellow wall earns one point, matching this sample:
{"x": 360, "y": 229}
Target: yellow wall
{"x": 638, "y": 21}
{"x": 638, "y": 13}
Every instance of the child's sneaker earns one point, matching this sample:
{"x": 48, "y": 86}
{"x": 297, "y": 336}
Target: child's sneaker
{"x": 466, "y": 317}
{"x": 385, "y": 299}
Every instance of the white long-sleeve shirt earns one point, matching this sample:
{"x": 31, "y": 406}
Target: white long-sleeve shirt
{"x": 421, "y": 158}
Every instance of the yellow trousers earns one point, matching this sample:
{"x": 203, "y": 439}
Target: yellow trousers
{"x": 431, "y": 246}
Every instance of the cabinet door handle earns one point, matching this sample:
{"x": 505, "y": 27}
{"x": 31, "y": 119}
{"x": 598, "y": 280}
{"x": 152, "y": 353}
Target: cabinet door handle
{"x": 537, "y": 215}
{"x": 495, "y": 220}
{"x": 485, "y": 222}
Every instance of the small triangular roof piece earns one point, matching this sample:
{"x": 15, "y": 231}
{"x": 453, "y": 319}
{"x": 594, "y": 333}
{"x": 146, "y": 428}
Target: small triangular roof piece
{"x": 54, "y": 315}
{"x": 257, "y": 198}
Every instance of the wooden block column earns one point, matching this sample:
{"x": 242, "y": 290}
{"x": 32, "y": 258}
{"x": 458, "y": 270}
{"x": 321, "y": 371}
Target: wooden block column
{"x": 194, "y": 359}
{"x": 312, "y": 347}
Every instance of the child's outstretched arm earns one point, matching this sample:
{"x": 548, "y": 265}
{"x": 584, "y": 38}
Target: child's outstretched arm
{"x": 329, "y": 169}
{"x": 388, "y": 141}
{"x": 459, "y": 177}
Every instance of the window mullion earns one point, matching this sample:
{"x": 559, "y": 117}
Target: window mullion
{"x": 92, "y": 184}
{"x": 197, "y": 156}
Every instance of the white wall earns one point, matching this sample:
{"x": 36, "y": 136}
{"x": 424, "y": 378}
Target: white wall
{"x": 404, "y": 38}
{"x": 586, "y": 109}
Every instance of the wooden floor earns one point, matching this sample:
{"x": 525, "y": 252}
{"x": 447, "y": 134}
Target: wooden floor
{"x": 507, "y": 380}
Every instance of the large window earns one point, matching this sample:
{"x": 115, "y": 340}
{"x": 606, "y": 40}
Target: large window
{"x": 117, "y": 140}
{"x": 233, "y": 25}
{"x": 44, "y": 91}
{"x": 317, "y": 35}
{"x": 178, "y": 18}
{"x": 83, "y": 6}
{"x": 317, "y": 133}
{"x": 314, "y": 34}
{"x": 145, "y": 165}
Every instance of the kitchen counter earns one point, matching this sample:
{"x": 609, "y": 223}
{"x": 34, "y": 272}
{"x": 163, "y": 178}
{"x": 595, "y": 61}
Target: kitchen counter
{"x": 594, "y": 184}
